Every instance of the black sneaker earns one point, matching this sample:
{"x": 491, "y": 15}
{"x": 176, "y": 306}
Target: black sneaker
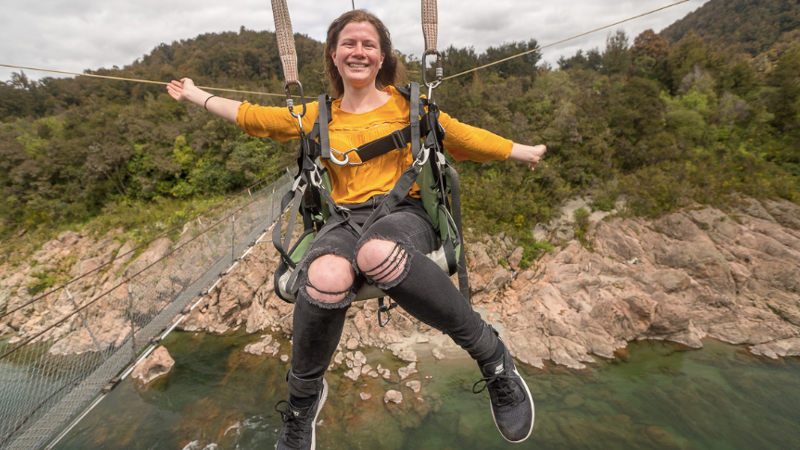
{"x": 510, "y": 399}
{"x": 298, "y": 431}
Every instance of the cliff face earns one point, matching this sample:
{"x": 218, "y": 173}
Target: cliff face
{"x": 690, "y": 275}
{"x": 687, "y": 276}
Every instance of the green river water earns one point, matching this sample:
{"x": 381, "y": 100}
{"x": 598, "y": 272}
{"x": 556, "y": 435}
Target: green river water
{"x": 659, "y": 396}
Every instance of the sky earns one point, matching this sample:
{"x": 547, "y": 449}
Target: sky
{"x": 76, "y": 35}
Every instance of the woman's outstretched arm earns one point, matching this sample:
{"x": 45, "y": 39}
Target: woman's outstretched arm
{"x": 185, "y": 90}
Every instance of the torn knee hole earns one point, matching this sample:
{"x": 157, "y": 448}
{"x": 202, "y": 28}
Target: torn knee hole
{"x": 323, "y": 296}
{"x": 330, "y": 278}
{"x": 392, "y": 266}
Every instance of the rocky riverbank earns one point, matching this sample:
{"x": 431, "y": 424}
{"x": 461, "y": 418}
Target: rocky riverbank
{"x": 694, "y": 274}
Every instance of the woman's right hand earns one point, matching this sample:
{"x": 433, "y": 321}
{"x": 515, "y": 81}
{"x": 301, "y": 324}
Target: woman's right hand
{"x": 182, "y": 90}
{"x": 186, "y": 91}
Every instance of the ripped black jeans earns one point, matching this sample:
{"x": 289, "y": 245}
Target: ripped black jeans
{"x": 423, "y": 290}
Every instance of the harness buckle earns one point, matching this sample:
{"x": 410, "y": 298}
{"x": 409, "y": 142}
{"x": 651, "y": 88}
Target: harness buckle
{"x": 398, "y": 140}
{"x": 384, "y": 309}
{"x": 297, "y": 182}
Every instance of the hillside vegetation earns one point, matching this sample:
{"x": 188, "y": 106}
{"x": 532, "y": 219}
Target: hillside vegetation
{"x": 660, "y": 123}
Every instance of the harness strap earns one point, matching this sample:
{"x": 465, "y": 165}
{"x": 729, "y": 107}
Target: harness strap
{"x": 455, "y": 194}
{"x": 283, "y": 245}
{"x": 324, "y": 117}
{"x": 397, "y": 140}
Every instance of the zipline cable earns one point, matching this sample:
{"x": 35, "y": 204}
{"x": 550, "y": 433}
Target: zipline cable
{"x": 475, "y": 69}
{"x": 135, "y": 80}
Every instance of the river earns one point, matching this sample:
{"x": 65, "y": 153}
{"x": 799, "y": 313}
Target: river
{"x": 658, "y": 395}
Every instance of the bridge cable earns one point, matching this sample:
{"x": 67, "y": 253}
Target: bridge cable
{"x": 133, "y": 250}
{"x": 125, "y": 280}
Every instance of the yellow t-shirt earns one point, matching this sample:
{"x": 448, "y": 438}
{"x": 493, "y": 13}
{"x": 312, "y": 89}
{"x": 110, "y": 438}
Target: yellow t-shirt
{"x": 358, "y": 183}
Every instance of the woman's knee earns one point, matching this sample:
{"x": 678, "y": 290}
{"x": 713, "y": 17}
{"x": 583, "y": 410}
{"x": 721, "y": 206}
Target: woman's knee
{"x": 382, "y": 261}
{"x": 330, "y": 278}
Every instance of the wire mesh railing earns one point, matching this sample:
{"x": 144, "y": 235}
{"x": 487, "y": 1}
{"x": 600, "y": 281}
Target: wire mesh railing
{"x": 70, "y": 346}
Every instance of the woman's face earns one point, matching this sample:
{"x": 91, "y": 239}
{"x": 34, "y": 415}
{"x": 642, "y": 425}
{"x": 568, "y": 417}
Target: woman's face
{"x": 358, "y": 54}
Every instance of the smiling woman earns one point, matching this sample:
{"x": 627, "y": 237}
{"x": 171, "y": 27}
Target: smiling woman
{"x": 387, "y": 250}
{"x": 364, "y": 40}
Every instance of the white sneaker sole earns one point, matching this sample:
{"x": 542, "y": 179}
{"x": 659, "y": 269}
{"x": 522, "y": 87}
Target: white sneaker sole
{"x": 533, "y": 415}
{"x": 322, "y": 396}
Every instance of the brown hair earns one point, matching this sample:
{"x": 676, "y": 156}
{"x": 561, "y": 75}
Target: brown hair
{"x": 391, "y": 72}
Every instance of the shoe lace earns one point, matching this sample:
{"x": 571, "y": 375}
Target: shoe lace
{"x": 294, "y": 425}
{"x": 505, "y": 387}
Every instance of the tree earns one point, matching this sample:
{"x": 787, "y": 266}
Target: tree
{"x": 519, "y": 66}
{"x": 785, "y": 101}
{"x": 616, "y": 57}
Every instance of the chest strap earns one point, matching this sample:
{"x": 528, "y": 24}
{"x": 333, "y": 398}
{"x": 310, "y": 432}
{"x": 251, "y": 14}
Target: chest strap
{"x": 396, "y": 140}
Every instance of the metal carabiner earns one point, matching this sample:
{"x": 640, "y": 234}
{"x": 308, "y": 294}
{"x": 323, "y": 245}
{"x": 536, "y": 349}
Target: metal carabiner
{"x": 346, "y": 160}
{"x": 316, "y": 177}
{"x": 340, "y": 162}
{"x": 423, "y": 157}
{"x": 290, "y": 102}
{"x": 439, "y": 72}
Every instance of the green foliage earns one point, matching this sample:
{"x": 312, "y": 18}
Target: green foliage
{"x": 43, "y": 280}
{"x": 739, "y": 26}
{"x": 532, "y": 250}
{"x": 581, "y": 216}
{"x": 673, "y": 119}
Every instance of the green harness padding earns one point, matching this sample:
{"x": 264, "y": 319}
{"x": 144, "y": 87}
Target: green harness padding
{"x": 310, "y": 194}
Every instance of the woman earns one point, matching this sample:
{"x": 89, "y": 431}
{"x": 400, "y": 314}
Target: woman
{"x": 362, "y": 69}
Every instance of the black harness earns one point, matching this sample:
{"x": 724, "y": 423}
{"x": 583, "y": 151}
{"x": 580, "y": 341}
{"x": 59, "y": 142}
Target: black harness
{"x": 310, "y": 194}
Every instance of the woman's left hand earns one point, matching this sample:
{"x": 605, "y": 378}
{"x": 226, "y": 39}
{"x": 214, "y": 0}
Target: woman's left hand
{"x": 529, "y": 154}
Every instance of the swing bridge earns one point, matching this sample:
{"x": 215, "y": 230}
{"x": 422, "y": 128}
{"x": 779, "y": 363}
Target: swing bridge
{"x": 52, "y": 374}
{"x": 88, "y": 338}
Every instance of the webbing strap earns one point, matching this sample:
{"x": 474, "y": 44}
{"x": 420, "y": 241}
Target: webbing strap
{"x": 397, "y": 140}
{"x": 322, "y": 119}
{"x": 455, "y": 195}
{"x": 283, "y": 32}
{"x": 282, "y": 245}
{"x": 430, "y": 22}
{"x": 413, "y": 98}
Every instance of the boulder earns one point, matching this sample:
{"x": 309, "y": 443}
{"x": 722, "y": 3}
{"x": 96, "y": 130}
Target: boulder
{"x": 158, "y": 364}
{"x": 393, "y": 396}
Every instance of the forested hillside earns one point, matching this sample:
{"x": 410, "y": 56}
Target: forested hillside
{"x": 746, "y": 27}
{"x": 658, "y": 122}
